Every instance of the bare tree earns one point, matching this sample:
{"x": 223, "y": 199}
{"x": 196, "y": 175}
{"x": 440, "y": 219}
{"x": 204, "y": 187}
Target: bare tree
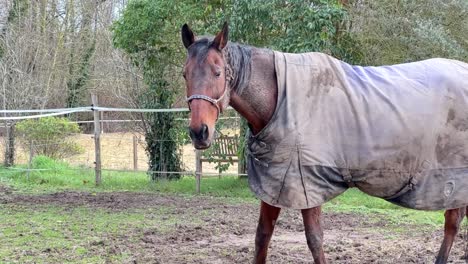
{"x": 52, "y": 48}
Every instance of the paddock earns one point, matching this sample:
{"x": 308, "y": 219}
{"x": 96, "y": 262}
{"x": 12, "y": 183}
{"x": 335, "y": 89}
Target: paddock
{"x": 54, "y": 213}
{"x": 102, "y": 226}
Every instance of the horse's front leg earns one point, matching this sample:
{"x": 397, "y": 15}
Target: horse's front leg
{"x": 314, "y": 232}
{"x": 453, "y": 217}
{"x": 266, "y": 224}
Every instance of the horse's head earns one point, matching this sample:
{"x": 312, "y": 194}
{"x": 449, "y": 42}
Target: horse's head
{"x": 206, "y": 83}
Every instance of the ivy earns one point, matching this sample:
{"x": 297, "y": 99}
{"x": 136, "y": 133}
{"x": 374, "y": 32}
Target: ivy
{"x": 149, "y": 31}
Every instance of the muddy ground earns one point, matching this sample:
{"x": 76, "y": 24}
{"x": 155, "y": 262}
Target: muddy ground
{"x": 224, "y": 232}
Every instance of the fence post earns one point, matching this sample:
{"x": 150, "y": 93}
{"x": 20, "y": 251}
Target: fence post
{"x": 97, "y": 140}
{"x": 198, "y": 168}
{"x": 101, "y": 123}
{"x": 9, "y": 144}
{"x": 31, "y": 153}
{"x": 135, "y": 153}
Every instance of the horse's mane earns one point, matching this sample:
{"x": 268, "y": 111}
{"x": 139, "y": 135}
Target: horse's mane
{"x": 238, "y": 58}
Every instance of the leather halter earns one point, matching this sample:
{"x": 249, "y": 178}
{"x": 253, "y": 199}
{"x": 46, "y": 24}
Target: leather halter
{"x": 209, "y": 99}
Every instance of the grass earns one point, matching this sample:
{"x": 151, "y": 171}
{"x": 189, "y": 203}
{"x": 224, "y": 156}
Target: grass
{"x": 51, "y": 233}
{"x": 52, "y": 176}
{"x": 42, "y": 233}
{"x": 59, "y": 176}
{"x": 355, "y": 201}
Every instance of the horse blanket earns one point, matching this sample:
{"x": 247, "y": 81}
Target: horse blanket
{"x": 397, "y": 132}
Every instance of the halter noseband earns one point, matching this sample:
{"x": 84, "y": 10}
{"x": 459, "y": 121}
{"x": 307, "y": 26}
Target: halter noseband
{"x": 209, "y": 99}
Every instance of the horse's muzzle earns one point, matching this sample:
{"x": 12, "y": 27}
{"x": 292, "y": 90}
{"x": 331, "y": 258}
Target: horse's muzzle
{"x": 200, "y": 137}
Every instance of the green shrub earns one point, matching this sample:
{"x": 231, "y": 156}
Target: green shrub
{"x": 49, "y": 136}
{"x": 47, "y": 163}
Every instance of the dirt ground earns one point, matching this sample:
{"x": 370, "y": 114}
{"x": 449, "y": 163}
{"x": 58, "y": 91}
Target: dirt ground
{"x": 225, "y": 230}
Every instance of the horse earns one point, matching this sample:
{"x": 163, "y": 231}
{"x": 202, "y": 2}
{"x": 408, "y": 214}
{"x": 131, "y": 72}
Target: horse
{"x": 219, "y": 73}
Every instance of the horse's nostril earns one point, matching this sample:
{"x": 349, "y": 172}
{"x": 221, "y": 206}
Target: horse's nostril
{"x": 200, "y": 135}
{"x": 192, "y": 134}
{"x": 204, "y": 132}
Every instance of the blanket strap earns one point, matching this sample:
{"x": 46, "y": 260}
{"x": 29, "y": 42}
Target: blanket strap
{"x": 348, "y": 178}
{"x": 405, "y": 189}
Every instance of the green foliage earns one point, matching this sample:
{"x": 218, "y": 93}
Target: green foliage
{"x": 391, "y": 32}
{"x": 49, "y": 136}
{"x": 163, "y": 134}
{"x": 152, "y": 27}
{"x": 149, "y": 31}
{"x": 292, "y": 26}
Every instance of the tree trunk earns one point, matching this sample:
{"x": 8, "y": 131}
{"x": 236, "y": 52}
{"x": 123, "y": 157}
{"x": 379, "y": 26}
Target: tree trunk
{"x": 79, "y": 74}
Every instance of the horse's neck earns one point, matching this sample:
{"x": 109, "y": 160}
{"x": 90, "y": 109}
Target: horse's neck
{"x": 258, "y": 101}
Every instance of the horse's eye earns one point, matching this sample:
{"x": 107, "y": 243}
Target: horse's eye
{"x": 183, "y": 74}
{"x": 218, "y": 73}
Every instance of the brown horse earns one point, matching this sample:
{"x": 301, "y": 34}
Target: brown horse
{"x": 219, "y": 73}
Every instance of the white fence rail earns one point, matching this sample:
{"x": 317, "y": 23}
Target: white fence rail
{"x": 136, "y": 150}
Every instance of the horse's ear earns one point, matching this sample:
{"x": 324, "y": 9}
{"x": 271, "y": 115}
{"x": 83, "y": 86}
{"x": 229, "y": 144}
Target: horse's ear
{"x": 221, "y": 40}
{"x": 188, "y": 38}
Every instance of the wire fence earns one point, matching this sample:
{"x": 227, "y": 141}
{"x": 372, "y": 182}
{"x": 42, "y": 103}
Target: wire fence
{"x": 122, "y": 151}
{"x": 119, "y": 151}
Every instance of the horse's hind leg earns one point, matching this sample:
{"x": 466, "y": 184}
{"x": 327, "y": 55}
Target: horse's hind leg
{"x": 453, "y": 217}
{"x": 266, "y": 224}
{"x": 314, "y": 233}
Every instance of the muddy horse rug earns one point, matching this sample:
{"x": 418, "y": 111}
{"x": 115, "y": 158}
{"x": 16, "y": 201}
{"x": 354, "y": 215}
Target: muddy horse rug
{"x": 397, "y": 132}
